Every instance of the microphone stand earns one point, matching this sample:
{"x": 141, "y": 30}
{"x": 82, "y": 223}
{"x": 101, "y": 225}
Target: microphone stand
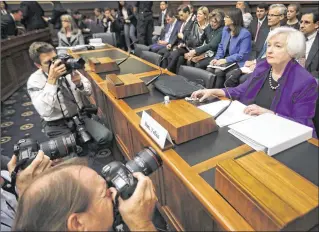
{"x": 129, "y": 54}
{"x": 161, "y": 72}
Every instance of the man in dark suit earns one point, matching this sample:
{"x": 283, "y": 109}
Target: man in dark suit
{"x": 145, "y": 22}
{"x": 259, "y": 30}
{"x": 8, "y": 23}
{"x": 169, "y": 34}
{"x": 32, "y": 15}
{"x": 161, "y": 21}
{"x": 309, "y": 25}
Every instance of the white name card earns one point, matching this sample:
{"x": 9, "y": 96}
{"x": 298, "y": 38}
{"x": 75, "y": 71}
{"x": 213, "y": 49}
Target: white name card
{"x": 158, "y": 133}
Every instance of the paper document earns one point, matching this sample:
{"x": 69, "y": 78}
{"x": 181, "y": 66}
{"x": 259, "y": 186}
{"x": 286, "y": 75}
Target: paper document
{"x": 157, "y": 30}
{"x": 245, "y": 70}
{"x": 222, "y": 66}
{"x": 235, "y": 112}
{"x": 271, "y": 133}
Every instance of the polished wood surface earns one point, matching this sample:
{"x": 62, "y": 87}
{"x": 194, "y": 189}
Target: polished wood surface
{"x": 267, "y": 194}
{"x": 183, "y": 120}
{"x": 16, "y": 65}
{"x": 186, "y": 200}
{"x": 132, "y": 86}
{"x": 102, "y": 65}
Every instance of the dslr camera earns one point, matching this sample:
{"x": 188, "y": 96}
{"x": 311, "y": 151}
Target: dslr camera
{"x": 70, "y": 62}
{"x": 119, "y": 175}
{"x": 27, "y": 149}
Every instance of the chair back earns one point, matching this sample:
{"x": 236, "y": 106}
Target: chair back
{"x": 316, "y": 118}
{"x": 139, "y": 48}
{"x": 107, "y": 37}
{"x": 197, "y": 75}
{"x": 152, "y": 57}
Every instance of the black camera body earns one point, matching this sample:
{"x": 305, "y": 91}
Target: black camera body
{"x": 119, "y": 175}
{"x": 27, "y": 149}
{"x": 70, "y": 62}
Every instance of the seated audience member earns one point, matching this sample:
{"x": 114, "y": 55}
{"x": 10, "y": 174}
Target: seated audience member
{"x": 161, "y": 19}
{"x": 33, "y": 15}
{"x": 128, "y": 19}
{"x": 309, "y": 25}
{"x": 69, "y": 35}
{"x": 55, "y": 101}
{"x": 275, "y": 16}
{"x": 79, "y": 21}
{"x": 169, "y": 34}
{"x": 279, "y": 84}
{"x": 179, "y": 47}
{"x": 244, "y": 7}
{"x": 191, "y": 40}
{"x": 293, "y": 12}
{"x": 202, "y": 55}
{"x": 24, "y": 178}
{"x": 8, "y": 23}
{"x": 235, "y": 46}
{"x": 87, "y": 202}
{"x": 96, "y": 26}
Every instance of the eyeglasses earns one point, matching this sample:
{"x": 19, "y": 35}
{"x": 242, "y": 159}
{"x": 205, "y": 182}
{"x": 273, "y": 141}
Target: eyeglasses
{"x": 65, "y": 20}
{"x": 273, "y": 15}
{"x": 305, "y": 22}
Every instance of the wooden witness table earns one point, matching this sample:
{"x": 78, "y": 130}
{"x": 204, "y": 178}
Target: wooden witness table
{"x": 185, "y": 183}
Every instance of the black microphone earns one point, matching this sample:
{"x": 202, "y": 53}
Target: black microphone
{"x": 129, "y": 54}
{"x": 161, "y": 72}
{"x": 231, "y": 100}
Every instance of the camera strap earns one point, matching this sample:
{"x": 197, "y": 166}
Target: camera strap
{"x": 14, "y": 174}
{"x": 118, "y": 224}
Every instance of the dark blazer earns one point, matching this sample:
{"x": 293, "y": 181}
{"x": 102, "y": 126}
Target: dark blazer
{"x": 8, "y": 26}
{"x": 76, "y": 39}
{"x": 57, "y": 12}
{"x": 160, "y": 18}
{"x": 173, "y": 37}
{"x": 312, "y": 62}
{"x": 261, "y": 38}
{"x": 239, "y": 47}
{"x": 212, "y": 38}
{"x": 186, "y": 31}
{"x": 130, "y": 14}
{"x": 32, "y": 15}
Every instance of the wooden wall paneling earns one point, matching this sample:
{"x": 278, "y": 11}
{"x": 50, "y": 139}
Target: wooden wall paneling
{"x": 183, "y": 205}
{"x": 8, "y": 78}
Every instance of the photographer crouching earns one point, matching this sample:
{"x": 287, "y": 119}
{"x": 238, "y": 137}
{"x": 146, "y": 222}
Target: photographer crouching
{"x": 83, "y": 202}
{"x": 56, "y": 89}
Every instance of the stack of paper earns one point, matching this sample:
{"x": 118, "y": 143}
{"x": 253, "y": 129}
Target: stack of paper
{"x": 271, "y": 133}
{"x": 235, "y": 112}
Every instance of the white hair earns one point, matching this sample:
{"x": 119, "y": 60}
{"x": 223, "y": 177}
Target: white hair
{"x": 295, "y": 42}
{"x": 282, "y": 8}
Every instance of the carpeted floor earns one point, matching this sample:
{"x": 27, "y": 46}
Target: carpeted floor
{"x": 19, "y": 120}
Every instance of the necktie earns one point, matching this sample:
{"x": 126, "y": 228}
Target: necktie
{"x": 163, "y": 16}
{"x": 263, "y": 51}
{"x": 70, "y": 107}
{"x": 257, "y": 31}
{"x": 97, "y": 21}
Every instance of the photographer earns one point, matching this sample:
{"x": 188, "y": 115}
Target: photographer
{"x": 57, "y": 96}
{"x": 23, "y": 180}
{"x": 83, "y": 202}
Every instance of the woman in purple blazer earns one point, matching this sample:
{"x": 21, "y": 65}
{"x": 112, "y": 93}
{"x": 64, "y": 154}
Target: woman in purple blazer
{"x": 235, "y": 46}
{"x": 278, "y": 85}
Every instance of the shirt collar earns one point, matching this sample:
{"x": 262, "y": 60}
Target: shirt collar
{"x": 261, "y": 21}
{"x": 312, "y": 36}
{"x": 189, "y": 17}
{"x": 164, "y": 11}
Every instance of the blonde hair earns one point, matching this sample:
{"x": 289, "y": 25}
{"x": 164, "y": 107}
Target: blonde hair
{"x": 74, "y": 28}
{"x": 205, "y": 11}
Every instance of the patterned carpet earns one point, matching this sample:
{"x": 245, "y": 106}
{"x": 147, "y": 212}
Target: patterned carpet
{"x": 19, "y": 120}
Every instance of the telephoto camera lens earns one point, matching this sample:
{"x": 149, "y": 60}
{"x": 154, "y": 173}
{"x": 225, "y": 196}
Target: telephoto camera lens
{"x": 146, "y": 161}
{"x": 59, "y": 147}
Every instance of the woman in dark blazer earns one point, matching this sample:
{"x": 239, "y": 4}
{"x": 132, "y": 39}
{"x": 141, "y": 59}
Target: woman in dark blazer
{"x": 69, "y": 35}
{"x": 201, "y": 56}
{"x": 235, "y": 46}
{"x": 128, "y": 18}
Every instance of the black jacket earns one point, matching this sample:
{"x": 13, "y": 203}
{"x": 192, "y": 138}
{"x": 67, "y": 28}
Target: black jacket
{"x": 212, "y": 39}
{"x": 187, "y": 29}
{"x": 312, "y": 62}
{"x": 159, "y": 22}
{"x": 57, "y": 12}
{"x": 32, "y": 15}
{"x": 8, "y": 26}
{"x": 130, "y": 14}
{"x": 257, "y": 46}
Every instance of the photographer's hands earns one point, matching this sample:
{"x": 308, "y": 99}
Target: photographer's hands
{"x": 25, "y": 177}
{"x": 137, "y": 211}
{"x": 56, "y": 70}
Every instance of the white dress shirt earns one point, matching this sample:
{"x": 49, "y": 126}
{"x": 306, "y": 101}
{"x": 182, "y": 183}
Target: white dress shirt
{"x": 169, "y": 32}
{"x": 309, "y": 42}
{"x": 44, "y": 95}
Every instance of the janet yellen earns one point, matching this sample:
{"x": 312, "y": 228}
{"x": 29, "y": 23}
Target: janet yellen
{"x": 279, "y": 84}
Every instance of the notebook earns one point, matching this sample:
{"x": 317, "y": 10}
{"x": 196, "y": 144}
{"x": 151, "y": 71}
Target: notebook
{"x": 222, "y": 66}
{"x": 270, "y": 133}
{"x": 235, "y": 112}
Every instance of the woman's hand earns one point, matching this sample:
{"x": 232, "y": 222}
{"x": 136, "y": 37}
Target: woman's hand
{"x": 221, "y": 61}
{"x": 256, "y": 110}
{"x": 203, "y": 94}
{"x": 213, "y": 62}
